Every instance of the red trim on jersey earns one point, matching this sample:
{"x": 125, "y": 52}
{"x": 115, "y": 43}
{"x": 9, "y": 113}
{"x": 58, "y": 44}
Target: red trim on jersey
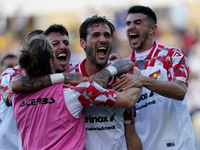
{"x": 84, "y": 73}
{"x": 150, "y": 55}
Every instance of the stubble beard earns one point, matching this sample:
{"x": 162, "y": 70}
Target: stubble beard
{"x": 142, "y": 43}
{"x": 93, "y": 59}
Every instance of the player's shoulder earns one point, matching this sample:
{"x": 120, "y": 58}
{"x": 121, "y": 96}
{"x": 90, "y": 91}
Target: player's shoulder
{"x": 11, "y": 71}
{"x": 170, "y": 50}
{"x": 72, "y": 65}
{"x": 73, "y": 68}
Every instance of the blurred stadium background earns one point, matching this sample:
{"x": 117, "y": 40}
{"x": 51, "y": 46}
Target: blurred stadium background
{"x": 178, "y": 25}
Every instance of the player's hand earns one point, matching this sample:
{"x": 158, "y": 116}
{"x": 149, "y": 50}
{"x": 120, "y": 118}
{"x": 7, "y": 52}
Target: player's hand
{"x": 129, "y": 80}
{"x": 114, "y": 56}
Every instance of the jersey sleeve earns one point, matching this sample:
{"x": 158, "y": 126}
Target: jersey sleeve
{"x": 129, "y": 115}
{"x": 91, "y": 93}
{"x": 6, "y": 78}
{"x": 178, "y": 68}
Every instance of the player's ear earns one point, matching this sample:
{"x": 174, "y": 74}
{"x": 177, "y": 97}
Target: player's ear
{"x": 152, "y": 29}
{"x": 51, "y": 65}
{"x": 83, "y": 43}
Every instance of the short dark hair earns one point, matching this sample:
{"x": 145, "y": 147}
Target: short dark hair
{"x": 6, "y": 57}
{"x": 56, "y": 28}
{"x": 32, "y": 34}
{"x": 94, "y": 20}
{"x": 143, "y": 9}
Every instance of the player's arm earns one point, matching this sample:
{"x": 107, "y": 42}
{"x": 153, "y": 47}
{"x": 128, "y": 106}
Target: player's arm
{"x": 127, "y": 98}
{"x": 123, "y": 99}
{"x": 5, "y": 90}
{"x": 6, "y": 96}
{"x": 91, "y": 93}
{"x": 176, "y": 88}
{"x": 23, "y": 84}
{"x": 116, "y": 68}
{"x": 132, "y": 139}
{"x": 172, "y": 89}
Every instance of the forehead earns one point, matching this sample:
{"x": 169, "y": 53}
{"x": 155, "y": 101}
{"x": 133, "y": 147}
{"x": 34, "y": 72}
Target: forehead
{"x": 8, "y": 61}
{"x": 98, "y": 28}
{"x": 56, "y": 36}
{"x": 136, "y": 16}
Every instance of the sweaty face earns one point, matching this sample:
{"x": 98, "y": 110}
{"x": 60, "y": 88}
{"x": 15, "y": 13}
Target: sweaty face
{"x": 137, "y": 31}
{"x": 62, "y": 52}
{"x": 98, "y": 44}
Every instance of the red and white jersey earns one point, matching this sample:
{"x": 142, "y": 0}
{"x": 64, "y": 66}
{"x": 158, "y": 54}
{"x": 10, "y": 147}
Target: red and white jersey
{"x": 9, "y": 126}
{"x": 6, "y": 78}
{"x": 104, "y": 126}
{"x": 161, "y": 122}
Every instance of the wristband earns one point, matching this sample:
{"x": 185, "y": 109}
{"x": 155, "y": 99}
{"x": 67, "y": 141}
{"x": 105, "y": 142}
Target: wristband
{"x": 112, "y": 70}
{"x": 57, "y": 78}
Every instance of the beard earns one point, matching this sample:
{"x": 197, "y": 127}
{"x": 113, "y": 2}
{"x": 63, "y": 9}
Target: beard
{"x": 92, "y": 57}
{"x": 141, "y": 45}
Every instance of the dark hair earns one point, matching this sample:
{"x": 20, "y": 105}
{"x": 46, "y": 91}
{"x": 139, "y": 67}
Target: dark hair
{"x": 32, "y": 34}
{"x": 6, "y": 57}
{"x": 56, "y": 28}
{"x": 94, "y": 20}
{"x": 143, "y": 9}
{"x": 35, "y": 56}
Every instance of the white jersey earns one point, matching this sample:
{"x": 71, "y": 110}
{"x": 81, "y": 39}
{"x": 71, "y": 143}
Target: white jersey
{"x": 9, "y": 134}
{"x": 163, "y": 123}
{"x": 104, "y": 126}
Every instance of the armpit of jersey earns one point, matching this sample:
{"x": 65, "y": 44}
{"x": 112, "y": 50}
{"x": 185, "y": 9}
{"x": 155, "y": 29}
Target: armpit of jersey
{"x": 90, "y": 93}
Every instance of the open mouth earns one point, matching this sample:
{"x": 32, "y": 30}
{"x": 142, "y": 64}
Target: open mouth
{"x": 101, "y": 51}
{"x": 134, "y": 35}
{"x": 62, "y": 58}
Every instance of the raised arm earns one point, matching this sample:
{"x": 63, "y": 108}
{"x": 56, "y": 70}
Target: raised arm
{"x": 91, "y": 93}
{"x": 172, "y": 89}
{"x": 117, "y": 67}
{"x": 23, "y": 84}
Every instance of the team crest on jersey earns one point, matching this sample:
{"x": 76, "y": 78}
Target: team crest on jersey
{"x": 177, "y": 54}
{"x": 155, "y": 74}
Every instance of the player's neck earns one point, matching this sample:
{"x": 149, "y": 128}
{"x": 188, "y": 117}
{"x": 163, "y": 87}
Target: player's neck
{"x": 91, "y": 68}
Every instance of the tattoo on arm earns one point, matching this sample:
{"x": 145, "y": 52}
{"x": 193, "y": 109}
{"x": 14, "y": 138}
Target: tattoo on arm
{"x": 101, "y": 77}
{"x": 77, "y": 77}
{"x": 33, "y": 84}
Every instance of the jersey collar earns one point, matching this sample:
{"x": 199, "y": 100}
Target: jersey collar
{"x": 150, "y": 55}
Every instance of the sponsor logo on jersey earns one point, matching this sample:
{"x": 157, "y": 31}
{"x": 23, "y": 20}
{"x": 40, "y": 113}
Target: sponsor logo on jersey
{"x": 145, "y": 96}
{"x": 100, "y": 128}
{"x": 32, "y": 102}
{"x": 99, "y": 119}
{"x": 102, "y": 119}
{"x": 146, "y": 104}
{"x": 155, "y": 74}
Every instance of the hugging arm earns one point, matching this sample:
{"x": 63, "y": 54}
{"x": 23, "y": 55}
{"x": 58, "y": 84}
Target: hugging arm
{"x": 23, "y": 84}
